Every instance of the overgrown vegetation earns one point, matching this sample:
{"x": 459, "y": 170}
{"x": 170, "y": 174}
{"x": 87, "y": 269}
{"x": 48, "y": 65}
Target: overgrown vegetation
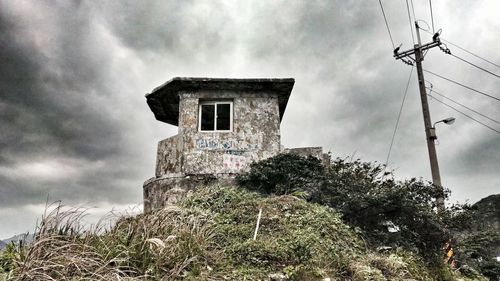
{"x": 477, "y": 250}
{"x": 286, "y": 174}
{"x": 478, "y": 241}
{"x": 388, "y": 213}
{"x": 364, "y": 193}
{"x": 209, "y": 235}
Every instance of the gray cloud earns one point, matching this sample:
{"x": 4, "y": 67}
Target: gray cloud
{"x": 46, "y": 99}
{"x": 57, "y": 111}
{"x": 74, "y": 123}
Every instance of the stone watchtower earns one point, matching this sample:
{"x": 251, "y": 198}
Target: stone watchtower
{"x": 224, "y": 125}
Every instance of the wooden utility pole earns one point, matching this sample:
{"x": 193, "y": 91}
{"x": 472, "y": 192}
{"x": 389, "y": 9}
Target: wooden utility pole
{"x": 429, "y": 130}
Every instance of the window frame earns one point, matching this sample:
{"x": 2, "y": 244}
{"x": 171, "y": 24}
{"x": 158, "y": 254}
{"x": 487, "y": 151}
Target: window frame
{"x": 215, "y": 103}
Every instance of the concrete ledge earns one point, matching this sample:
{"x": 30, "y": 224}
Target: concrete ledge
{"x": 310, "y": 151}
{"x": 170, "y": 188}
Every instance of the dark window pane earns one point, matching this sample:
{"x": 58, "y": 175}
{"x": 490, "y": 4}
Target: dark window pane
{"x": 223, "y": 116}
{"x": 207, "y": 117}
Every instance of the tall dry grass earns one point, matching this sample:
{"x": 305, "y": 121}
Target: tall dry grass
{"x": 156, "y": 246}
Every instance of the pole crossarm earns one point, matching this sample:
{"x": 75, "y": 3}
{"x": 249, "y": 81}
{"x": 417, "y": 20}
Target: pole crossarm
{"x": 410, "y": 52}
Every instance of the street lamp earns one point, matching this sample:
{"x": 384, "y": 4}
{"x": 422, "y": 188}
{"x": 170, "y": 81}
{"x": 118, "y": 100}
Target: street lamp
{"x": 447, "y": 121}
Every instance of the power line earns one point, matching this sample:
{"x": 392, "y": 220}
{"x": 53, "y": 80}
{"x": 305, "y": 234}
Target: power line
{"x": 448, "y": 52}
{"x": 432, "y": 17}
{"x": 420, "y": 27}
{"x": 471, "y": 53}
{"x": 399, "y": 116}
{"x": 468, "y": 116}
{"x": 460, "y": 84}
{"x": 464, "y": 106}
{"x": 413, "y": 10}
{"x": 409, "y": 19}
{"x": 466, "y": 61}
{"x": 467, "y": 51}
{"x": 387, "y": 25}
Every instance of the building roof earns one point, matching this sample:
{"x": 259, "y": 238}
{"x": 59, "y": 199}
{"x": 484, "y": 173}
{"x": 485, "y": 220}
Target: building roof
{"x": 164, "y": 100}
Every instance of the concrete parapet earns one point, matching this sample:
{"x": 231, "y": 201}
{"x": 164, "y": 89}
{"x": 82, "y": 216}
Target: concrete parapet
{"x": 310, "y": 151}
{"x": 169, "y": 189}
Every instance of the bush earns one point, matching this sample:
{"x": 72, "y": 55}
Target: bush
{"x": 387, "y": 212}
{"x": 285, "y": 174}
{"x": 478, "y": 250}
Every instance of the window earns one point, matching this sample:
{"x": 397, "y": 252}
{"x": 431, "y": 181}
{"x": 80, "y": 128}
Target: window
{"x": 216, "y": 116}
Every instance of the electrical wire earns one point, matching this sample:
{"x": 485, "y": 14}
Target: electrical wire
{"x": 399, "y": 116}
{"x": 468, "y": 116}
{"x": 432, "y": 17}
{"x": 448, "y": 52}
{"x": 409, "y": 20}
{"x": 470, "y": 63}
{"x": 464, "y": 106}
{"x": 467, "y": 51}
{"x": 428, "y": 27}
{"x": 460, "y": 84}
{"x": 471, "y": 53}
{"x": 413, "y": 10}
{"x": 387, "y": 25}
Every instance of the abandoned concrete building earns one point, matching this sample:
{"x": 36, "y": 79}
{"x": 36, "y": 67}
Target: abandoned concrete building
{"x": 223, "y": 126}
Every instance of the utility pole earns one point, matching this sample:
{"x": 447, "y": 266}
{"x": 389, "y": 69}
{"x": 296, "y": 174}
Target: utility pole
{"x": 429, "y": 130}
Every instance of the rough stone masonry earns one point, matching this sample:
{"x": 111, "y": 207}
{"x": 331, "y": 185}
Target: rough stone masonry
{"x": 223, "y": 126}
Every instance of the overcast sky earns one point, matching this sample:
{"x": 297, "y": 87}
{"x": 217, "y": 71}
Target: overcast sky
{"x": 74, "y": 124}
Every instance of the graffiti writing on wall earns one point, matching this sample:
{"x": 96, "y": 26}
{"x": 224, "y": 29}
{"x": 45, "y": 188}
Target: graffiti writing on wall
{"x": 235, "y": 152}
{"x": 234, "y": 162}
{"x": 226, "y": 145}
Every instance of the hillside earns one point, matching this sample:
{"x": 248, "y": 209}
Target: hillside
{"x": 24, "y": 237}
{"x": 487, "y": 212}
{"x": 208, "y": 236}
{"x": 478, "y": 242}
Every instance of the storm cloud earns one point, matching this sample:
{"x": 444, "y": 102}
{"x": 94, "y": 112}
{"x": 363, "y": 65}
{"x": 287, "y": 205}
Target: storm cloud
{"x": 75, "y": 126}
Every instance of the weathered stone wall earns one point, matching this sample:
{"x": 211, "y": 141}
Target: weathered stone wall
{"x": 168, "y": 156}
{"x": 255, "y": 133}
{"x": 169, "y": 189}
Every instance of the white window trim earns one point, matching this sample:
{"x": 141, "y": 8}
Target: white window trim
{"x": 215, "y": 114}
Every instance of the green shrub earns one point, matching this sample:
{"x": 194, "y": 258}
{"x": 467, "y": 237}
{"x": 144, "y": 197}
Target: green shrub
{"x": 364, "y": 193}
{"x": 285, "y": 174}
{"x": 478, "y": 249}
{"x": 7, "y": 257}
{"x": 389, "y": 212}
